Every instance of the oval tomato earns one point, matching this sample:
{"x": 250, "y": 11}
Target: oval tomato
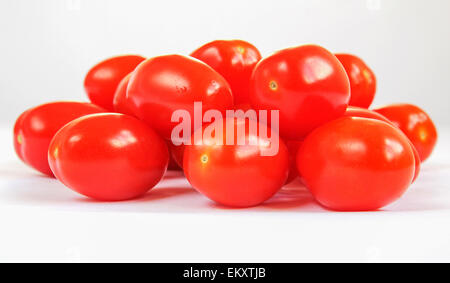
{"x": 363, "y": 83}
{"x": 307, "y": 84}
{"x": 109, "y": 157}
{"x": 415, "y": 123}
{"x": 237, "y": 175}
{"x": 35, "y": 128}
{"x": 356, "y": 164}
{"x": 234, "y": 60}
{"x": 102, "y": 80}
{"x": 164, "y": 84}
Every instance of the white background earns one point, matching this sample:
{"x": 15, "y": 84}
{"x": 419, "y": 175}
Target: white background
{"x": 47, "y": 46}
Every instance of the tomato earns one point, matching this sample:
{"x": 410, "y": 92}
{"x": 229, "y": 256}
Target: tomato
{"x": 353, "y": 111}
{"x": 363, "y": 83}
{"x": 356, "y": 164}
{"x": 415, "y": 123}
{"x": 293, "y": 147}
{"x": 234, "y": 60}
{"x": 108, "y": 157}
{"x": 102, "y": 80}
{"x": 163, "y": 84}
{"x": 35, "y": 128}
{"x": 120, "y": 97}
{"x": 307, "y": 84}
{"x": 237, "y": 175}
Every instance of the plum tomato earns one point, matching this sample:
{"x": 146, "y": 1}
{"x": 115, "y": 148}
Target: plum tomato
{"x": 307, "y": 84}
{"x": 353, "y": 111}
{"x": 35, "y": 128}
{"x": 363, "y": 83}
{"x": 234, "y": 60}
{"x": 102, "y": 80}
{"x": 356, "y": 164}
{"x": 163, "y": 84}
{"x": 108, "y": 157}
{"x": 237, "y": 174}
{"x": 415, "y": 123}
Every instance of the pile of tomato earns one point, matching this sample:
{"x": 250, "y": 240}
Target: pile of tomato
{"x": 119, "y": 146}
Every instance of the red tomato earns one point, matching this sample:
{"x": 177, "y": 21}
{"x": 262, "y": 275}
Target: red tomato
{"x": 234, "y": 60}
{"x": 161, "y": 85}
{"x": 120, "y": 97}
{"x": 353, "y": 111}
{"x": 35, "y": 128}
{"x": 415, "y": 123}
{"x": 356, "y": 164}
{"x": 102, "y": 80}
{"x": 109, "y": 157}
{"x": 236, "y": 175}
{"x": 307, "y": 84}
{"x": 363, "y": 83}
{"x": 293, "y": 147}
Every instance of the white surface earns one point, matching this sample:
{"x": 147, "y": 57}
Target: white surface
{"x": 49, "y": 45}
{"x": 41, "y": 220}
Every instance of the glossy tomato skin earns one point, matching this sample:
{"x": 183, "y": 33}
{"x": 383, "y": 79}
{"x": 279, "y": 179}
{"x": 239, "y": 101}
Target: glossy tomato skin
{"x": 353, "y": 111}
{"x": 35, "y": 128}
{"x": 120, "y": 103}
{"x": 108, "y": 157}
{"x": 236, "y": 175}
{"x": 102, "y": 80}
{"x": 234, "y": 60}
{"x": 363, "y": 83}
{"x": 163, "y": 84}
{"x": 307, "y": 84}
{"x": 356, "y": 164}
{"x": 415, "y": 123}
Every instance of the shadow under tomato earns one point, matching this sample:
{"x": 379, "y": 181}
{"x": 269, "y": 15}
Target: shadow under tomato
{"x": 152, "y": 195}
{"x": 288, "y": 198}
